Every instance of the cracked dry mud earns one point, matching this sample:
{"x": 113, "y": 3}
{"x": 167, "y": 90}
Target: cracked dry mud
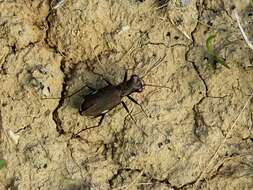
{"x": 185, "y": 143}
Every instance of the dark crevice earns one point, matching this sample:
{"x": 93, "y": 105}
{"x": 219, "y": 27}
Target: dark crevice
{"x": 47, "y": 31}
{"x": 54, "y": 47}
{"x": 14, "y": 48}
{"x": 3, "y": 70}
{"x": 199, "y": 7}
{"x": 13, "y": 51}
{"x": 56, "y": 117}
{"x": 24, "y": 128}
{"x": 201, "y": 77}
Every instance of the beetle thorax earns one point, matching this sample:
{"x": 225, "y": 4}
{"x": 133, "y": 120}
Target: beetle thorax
{"x": 134, "y": 84}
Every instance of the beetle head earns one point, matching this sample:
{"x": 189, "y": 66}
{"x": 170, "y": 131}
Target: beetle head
{"x": 137, "y": 83}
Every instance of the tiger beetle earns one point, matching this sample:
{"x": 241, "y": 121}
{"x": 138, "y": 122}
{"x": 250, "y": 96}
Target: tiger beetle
{"x": 100, "y": 101}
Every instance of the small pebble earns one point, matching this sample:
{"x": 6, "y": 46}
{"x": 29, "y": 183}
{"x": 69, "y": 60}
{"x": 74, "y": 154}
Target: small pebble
{"x": 13, "y": 136}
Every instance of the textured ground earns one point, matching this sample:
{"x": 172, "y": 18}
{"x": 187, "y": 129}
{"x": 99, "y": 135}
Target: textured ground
{"x": 199, "y": 133}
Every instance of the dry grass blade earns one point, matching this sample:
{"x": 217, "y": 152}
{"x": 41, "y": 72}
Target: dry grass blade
{"x": 241, "y": 29}
{"x": 155, "y": 65}
{"x": 203, "y": 173}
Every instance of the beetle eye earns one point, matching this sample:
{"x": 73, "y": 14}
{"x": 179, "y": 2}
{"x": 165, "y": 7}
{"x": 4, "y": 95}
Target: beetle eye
{"x": 137, "y": 83}
{"x": 135, "y": 78}
{"x": 140, "y": 85}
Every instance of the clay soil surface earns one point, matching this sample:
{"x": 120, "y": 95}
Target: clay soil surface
{"x": 198, "y": 132}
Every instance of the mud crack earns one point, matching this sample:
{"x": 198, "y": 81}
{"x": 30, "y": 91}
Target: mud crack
{"x": 55, "y": 114}
{"x": 13, "y": 50}
{"x": 46, "y": 39}
{"x": 56, "y": 117}
{"x": 200, "y": 127}
{"x": 198, "y": 5}
{"x": 198, "y": 119}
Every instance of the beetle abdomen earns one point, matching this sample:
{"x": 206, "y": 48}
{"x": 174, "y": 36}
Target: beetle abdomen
{"x": 101, "y": 101}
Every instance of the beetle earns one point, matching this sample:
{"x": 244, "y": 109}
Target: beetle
{"x": 100, "y": 101}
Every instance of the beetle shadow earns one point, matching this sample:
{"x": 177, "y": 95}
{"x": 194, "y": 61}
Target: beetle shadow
{"x": 78, "y": 96}
{"x": 76, "y": 100}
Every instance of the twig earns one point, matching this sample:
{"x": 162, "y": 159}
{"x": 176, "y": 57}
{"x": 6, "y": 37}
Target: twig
{"x": 242, "y": 31}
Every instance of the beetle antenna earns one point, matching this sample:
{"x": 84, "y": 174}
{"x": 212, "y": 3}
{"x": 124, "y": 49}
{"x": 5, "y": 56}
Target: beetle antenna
{"x": 130, "y": 114}
{"x": 68, "y": 96}
{"x": 158, "y": 86}
{"x": 156, "y": 64}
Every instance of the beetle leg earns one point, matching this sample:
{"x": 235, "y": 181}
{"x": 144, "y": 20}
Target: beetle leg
{"x": 102, "y": 116}
{"x": 107, "y": 81}
{"x": 91, "y": 88}
{"x": 124, "y": 104}
{"x": 134, "y": 101}
{"x": 125, "y": 76}
{"x": 100, "y": 121}
{"x": 126, "y": 108}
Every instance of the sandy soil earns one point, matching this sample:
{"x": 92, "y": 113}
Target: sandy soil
{"x": 199, "y": 131}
